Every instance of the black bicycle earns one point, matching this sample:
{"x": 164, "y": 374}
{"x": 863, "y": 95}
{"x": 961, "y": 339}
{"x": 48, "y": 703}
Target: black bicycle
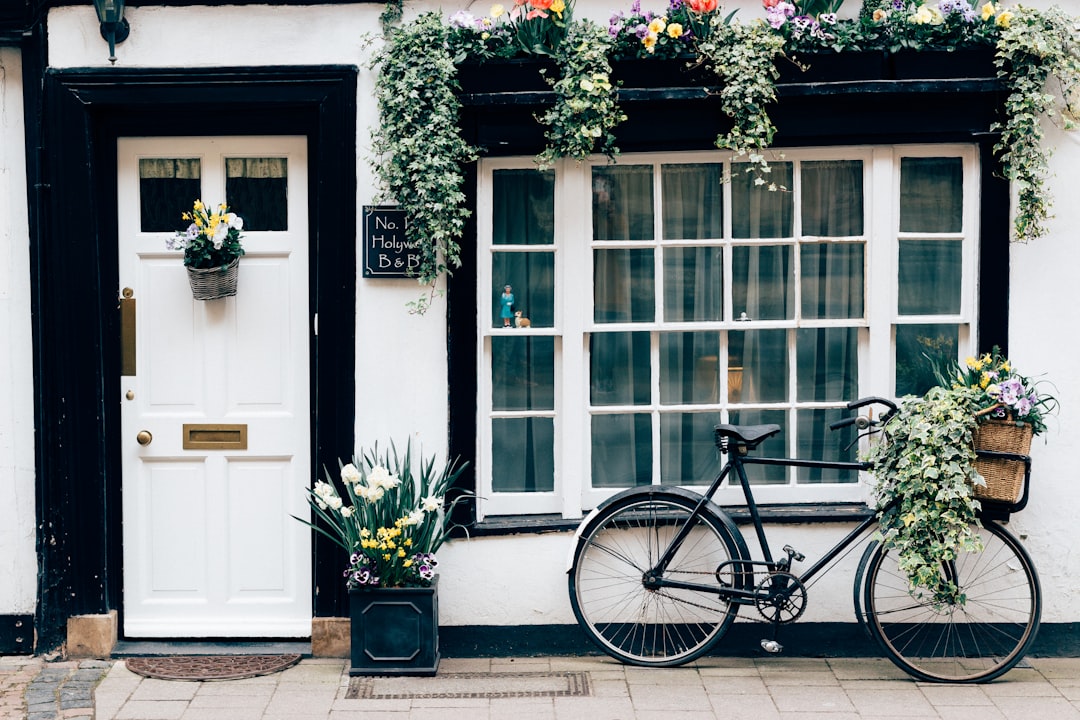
{"x": 659, "y": 573}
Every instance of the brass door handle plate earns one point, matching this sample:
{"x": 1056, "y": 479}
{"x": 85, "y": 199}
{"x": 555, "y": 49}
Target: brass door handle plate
{"x": 144, "y": 437}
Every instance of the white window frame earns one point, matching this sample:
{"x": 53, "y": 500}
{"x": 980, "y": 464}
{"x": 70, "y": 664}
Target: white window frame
{"x": 573, "y": 262}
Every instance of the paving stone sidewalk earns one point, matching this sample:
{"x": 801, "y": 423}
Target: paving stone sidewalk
{"x": 481, "y": 689}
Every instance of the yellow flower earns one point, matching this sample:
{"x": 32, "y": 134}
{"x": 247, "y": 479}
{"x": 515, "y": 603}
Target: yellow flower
{"x": 198, "y": 206}
{"x": 407, "y": 563}
{"x": 497, "y": 10}
{"x": 1004, "y": 18}
{"x": 386, "y": 557}
{"x": 988, "y": 11}
{"x": 657, "y": 25}
{"x": 984, "y": 380}
{"x": 675, "y": 30}
{"x": 970, "y": 362}
{"x": 557, "y": 7}
{"x": 401, "y": 552}
{"x": 922, "y": 17}
{"x": 880, "y": 15}
{"x": 649, "y": 41}
{"x": 1005, "y": 367}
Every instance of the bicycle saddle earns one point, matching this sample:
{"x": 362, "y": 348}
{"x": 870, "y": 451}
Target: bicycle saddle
{"x": 749, "y": 435}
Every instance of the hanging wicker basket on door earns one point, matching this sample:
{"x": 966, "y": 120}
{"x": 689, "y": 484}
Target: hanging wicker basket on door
{"x": 214, "y": 283}
{"x": 1004, "y": 477}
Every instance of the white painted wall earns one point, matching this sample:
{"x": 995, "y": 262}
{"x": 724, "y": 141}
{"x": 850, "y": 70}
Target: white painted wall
{"x": 520, "y": 579}
{"x": 18, "y": 561}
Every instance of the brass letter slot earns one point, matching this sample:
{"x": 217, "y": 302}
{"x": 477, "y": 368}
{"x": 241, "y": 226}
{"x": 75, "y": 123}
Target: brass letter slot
{"x": 215, "y": 437}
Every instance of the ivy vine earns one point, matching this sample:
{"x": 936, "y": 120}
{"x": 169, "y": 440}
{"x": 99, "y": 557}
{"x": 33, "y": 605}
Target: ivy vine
{"x": 924, "y": 464}
{"x": 586, "y": 108}
{"x": 1035, "y": 46}
{"x": 422, "y": 151}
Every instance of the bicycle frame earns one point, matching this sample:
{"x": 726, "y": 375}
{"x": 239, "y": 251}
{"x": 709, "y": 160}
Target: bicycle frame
{"x": 655, "y": 577}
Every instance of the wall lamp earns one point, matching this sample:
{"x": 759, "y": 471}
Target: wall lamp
{"x": 114, "y": 27}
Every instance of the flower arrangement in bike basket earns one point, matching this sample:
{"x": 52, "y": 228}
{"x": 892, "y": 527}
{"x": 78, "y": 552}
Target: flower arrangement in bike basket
{"x": 1001, "y": 393}
{"x": 212, "y": 239}
{"x": 390, "y": 519}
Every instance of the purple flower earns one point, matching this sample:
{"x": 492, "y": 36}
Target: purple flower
{"x": 827, "y": 18}
{"x": 1010, "y": 391}
{"x": 898, "y": 4}
{"x": 674, "y": 5}
{"x": 641, "y": 31}
{"x": 635, "y": 9}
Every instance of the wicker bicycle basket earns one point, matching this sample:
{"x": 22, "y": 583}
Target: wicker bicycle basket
{"x": 1004, "y": 478}
{"x": 214, "y": 283}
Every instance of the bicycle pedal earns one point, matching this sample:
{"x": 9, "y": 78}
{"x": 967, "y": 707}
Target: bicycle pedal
{"x": 771, "y": 646}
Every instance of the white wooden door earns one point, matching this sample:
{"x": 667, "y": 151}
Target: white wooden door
{"x": 210, "y": 549}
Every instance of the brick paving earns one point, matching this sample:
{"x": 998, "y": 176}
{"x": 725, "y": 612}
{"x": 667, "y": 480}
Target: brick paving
{"x": 35, "y": 689}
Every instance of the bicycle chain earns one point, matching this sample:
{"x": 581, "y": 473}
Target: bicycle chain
{"x": 750, "y": 618}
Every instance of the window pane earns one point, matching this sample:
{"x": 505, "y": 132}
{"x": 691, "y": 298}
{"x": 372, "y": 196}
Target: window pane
{"x": 523, "y": 373}
{"x": 623, "y": 202}
{"x": 931, "y": 194}
{"x": 693, "y": 201}
{"x": 620, "y": 368}
{"x": 621, "y": 450}
{"x": 689, "y": 368}
{"x": 832, "y": 198}
{"x": 688, "y": 454}
{"x": 757, "y": 212}
{"x": 930, "y": 277}
{"x": 523, "y": 454}
{"x": 816, "y": 441}
{"x": 693, "y": 284}
{"x": 523, "y": 207}
{"x": 776, "y": 446}
{"x": 832, "y": 280}
{"x": 258, "y": 191}
{"x": 921, "y": 352}
{"x": 531, "y": 277}
{"x": 623, "y": 286}
{"x": 167, "y": 189}
{"x": 762, "y": 357}
{"x": 761, "y": 284}
{"x": 828, "y": 362}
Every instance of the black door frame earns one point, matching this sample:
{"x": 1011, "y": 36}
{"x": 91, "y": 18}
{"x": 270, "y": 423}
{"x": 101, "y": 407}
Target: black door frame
{"x": 74, "y": 276}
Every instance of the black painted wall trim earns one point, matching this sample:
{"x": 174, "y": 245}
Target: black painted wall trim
{"x": 802, "y": 639}
{"x": 74, "y": 290}
{"x": 16, "y": 634}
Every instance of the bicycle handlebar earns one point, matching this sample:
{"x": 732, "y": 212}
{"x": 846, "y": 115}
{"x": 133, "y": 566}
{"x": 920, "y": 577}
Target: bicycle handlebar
{"x": 860, "y": 421}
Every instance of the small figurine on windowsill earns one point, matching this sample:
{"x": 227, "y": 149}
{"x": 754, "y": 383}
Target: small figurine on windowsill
{"x": 506, "y": 305}
{"x": 521, "y": 322}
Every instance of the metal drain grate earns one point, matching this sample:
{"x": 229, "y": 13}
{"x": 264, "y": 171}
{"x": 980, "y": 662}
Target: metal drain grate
{"x": 210, "y": 667}
{"x": 471, "y": 685}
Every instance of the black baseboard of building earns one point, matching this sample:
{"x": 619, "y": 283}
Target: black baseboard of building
{"x": 16, "y": 634}
{"x": 742, "y": 640}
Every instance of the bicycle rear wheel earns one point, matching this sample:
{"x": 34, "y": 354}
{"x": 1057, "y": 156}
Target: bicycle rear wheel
{"x": 973, "y": 641}
{"x": 651, "y": 626}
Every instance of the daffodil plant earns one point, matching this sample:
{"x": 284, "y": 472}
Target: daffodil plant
{"x": 388, "y": 516}
{"x": 212, "y": 239}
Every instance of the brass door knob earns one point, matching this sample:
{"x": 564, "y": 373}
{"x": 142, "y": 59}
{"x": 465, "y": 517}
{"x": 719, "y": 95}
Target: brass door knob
{"x": 144, "y": 437}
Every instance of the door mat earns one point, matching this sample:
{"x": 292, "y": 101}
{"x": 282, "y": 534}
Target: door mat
{"x": 470, "y": 685}
{"x": 210, "y": 667}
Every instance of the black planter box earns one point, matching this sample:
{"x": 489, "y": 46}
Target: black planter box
{"x": 675, "y": 72}
{"x": 832, "y": 66}
{"x": 395, "y": 631}
{"x": 943, "y": 64}
{"x": 507, "y": 75}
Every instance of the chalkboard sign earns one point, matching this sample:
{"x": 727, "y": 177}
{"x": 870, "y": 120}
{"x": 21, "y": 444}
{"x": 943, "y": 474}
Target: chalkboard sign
{"x": 387, "y": 253}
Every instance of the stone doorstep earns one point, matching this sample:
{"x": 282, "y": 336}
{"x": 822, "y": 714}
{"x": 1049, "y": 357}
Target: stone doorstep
{"x": 330, "y": 637}
{"x": 92, "y": 636}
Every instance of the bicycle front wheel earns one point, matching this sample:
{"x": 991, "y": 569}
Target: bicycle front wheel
{"x": 654, "y": 626}
{"x": 975, "y": 640}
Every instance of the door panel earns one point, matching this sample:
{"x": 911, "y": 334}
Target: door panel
{"x": 210, "y": 549}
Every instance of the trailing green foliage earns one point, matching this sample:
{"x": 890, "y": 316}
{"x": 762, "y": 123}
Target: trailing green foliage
{"x": 1035, "y": 46}
{"x": 742, "y": 57}
{"x": 585, "y": 112}
{"x": 924, "y": 464}
{"x": 421, "y": 149}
